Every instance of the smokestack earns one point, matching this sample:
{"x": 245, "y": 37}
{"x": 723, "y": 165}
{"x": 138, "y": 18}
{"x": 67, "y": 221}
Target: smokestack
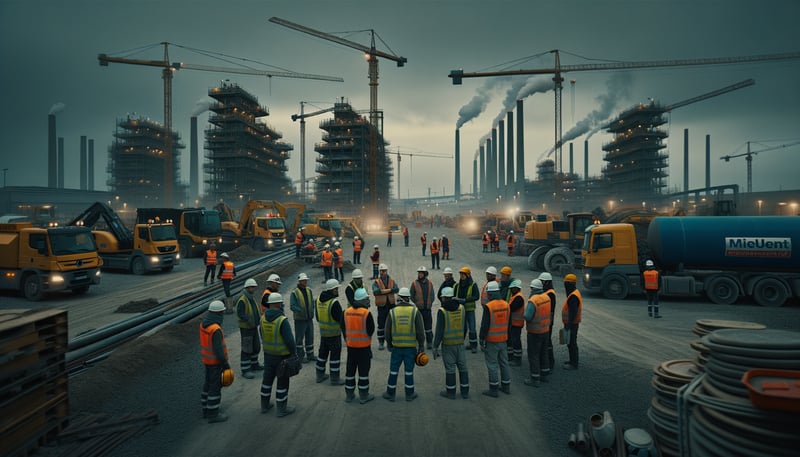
{"x": 474, "y": 178}
{"x": 570, "y": 160}
{"x": 194, "y": 184}
{"x": 52, "y": 155}
{"x": 708, "y": 162}
{"x": 90, "y": 167}
{"x": 510, "y": 152}
{"x": 60, "y": 162}
{"x": 586, "y": 160}
{"x": 483, "y": 171}
{"x": 520, "y": 150}
{"x": 491, "y": 166}
{"x": 686, "y": 160}
{"x": 501, "y": 158}
{"x": 83, "y": 162}
{"x": 457, "y": 188}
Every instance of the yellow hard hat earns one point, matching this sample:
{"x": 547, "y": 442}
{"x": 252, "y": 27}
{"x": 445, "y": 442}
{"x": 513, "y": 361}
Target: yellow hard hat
{"x": 570, "y": 278}
{"x": 465, "y": 270}
{"x": 506, "y": 270}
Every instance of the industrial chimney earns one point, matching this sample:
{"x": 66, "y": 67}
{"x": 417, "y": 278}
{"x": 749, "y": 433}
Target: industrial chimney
{"x": 520, "y": 150}
{"x": 510, "y": 153}
{"x": 483, "y": 173}
{"x": 457, "y": 187}
{"x": 475, "y": 178}
{"x": 194, "y": 185}
{"x": 52, "y": 155}
{"x": 60, "y": 162}
{"x": 83, "y": 162}
{"x": 90, "y": 167}
{"x": 501, "y": 158}
{"x": 586, "y": 161}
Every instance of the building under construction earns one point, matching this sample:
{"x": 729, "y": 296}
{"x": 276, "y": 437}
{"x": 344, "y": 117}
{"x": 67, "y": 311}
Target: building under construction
{"x": 635, "y": 159}
{"x": 245, "y": 157}
{"x": 343, "y": 163}
{"x": 136, "y": 163}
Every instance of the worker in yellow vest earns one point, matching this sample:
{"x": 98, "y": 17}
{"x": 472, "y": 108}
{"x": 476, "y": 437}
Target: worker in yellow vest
{"x": 278, "y": 343}
{"x": 405, "y": 338}
{"x": 248, "y": 314}
{"x": 451, "y": 329}
{"x": 329, "y": 317}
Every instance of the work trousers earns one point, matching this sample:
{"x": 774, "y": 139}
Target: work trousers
{"x": 572, "y": 345}
{"x": 652, "y": 302}
{"x": 455, "y": 356}
{"x": 514, "y": 343}
{"x": 338, "y": 274}
{"x": 473, "y": 334}
{"x": 424, "y": 248}
{"x": 212, "y": 390}
{"x": 427, "y": 319}
{"x": 251, "y": 346}
{"x": 271, "y": 363}
{"x": 446, "y": 254}
{"x": 297, "y": 249}
{"x": 358, "y": 360}
{"x": 330, "y": 347}
{"x": 537, "y": 355}
{"x": 434, "y": 261}
{"x": 389, "y": 241}
{"x": 357, "y": 257}
{"x": 375, "y": 270}
{"x": 226, "y": 286}
{"x": 327, "y": 271}
{"x": 304, "y": 337}
{"x": 210, "y": 271}
{"x": 496, "y": 356}
{"x": 405, "y": 357}
{"x": 383, "y": 313}
{"x": 405, "y": 238}
{"x": 550, "y": 353}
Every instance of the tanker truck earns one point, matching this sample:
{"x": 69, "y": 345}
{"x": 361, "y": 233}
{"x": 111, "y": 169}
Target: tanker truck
{"x": 720, "y": 257}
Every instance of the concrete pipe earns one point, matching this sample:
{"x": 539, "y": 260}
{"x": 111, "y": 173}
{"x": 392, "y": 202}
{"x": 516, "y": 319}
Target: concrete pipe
{"x": 603, "y": 429}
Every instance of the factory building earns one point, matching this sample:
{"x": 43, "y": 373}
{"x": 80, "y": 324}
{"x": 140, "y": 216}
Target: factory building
{"x": 245, "y": 157}
{"x": 343, "y": 163}
{"x": 636, "y": 164}
{"x": 136, "y": 163}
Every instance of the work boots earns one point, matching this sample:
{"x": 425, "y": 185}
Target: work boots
{"x": 321, "y": 376}
{"x": 216, "y": 417}
{"x": 265, "y": 405}
{"x": 448, "y": 393}
{"x": 492, "y": 392}
{"x": 505, "y": 388}
{"x": 335, "y": 380}
{"x": 463, "y": 377}
{"x": 248, "y": 374}
{"x": 365, "y": 396}
{"x": 284, "y": 409}
{"x": 350, "y": 396}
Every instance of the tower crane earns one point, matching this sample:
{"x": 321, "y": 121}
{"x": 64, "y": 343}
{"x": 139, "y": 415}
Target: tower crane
{"x": 557, "y": 70}
{"x": 302, "y": 116}
{"x": 166, "y": 74}
{"x": 412, "y": 154}
{"x": 371, "y": 54}
{"x": 748, "y": 156}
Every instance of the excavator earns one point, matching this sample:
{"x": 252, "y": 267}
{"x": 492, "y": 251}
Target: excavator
{"x": 260, "y": 226}
{"x": 150, "y": 246}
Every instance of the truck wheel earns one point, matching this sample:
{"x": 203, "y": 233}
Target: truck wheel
{"x": 770, "y": 292}
{"x": 615, "y": 287}
{"x": 137, "y": 266}
{"x": 32, "y": 287}
{"x": 258, "y": 244}
{"x": 536, "y": 259}
{"x": 80, "y": 290}
{"x": 558, "y": 257}
{"x": 167, "y": 269}
{"x": 723, "y": 290}
{"x": 186, "y": 249}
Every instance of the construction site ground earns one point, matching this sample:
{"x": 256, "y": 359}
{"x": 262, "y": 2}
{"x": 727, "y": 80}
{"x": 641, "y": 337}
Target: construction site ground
{"x": 619, "y": 346}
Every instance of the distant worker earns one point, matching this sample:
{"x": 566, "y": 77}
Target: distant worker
{"x": 358, "y": 245}
{"x": 547, "y": 285}
{"x": 495, "y": 242}
{"x": 356, "y": 282}
{"x": 375, "y": 257}
{"x": 389, "y": 238}
{"x": 494, "y": 339}
{"x": 510, "y": 243}
{"x": 424, "y": 240}
{"x": 422, "y": 295}
{"x": 571, "y": 313}
{"x": 310, "y": 250}
{"x": 485, "y": 241}
{"x": 451, "y": 328}
{"x": 516, "y": 304}
{"x": 329, "y": 317}
{"x": 298, "y": 242}
{"x": 301, "y": 302}
{"x": 537, "y": 319}
{"x": 338, "y": 262}
{"x": 226, "y": 274}
{"x": 466, "y": 293}
{"x": 448, "y": 281}
{"x": 210, "y": 261}
{"x": 435, "y": 254}
{"x": 652, "y": 284}
{"x": 214, "y": 354}
{"x": 358, "y": 327}
{"x": 405, "y": 339}
{"x": 273, "y": 285}
{"x": 278, "y": 343}
{"x": 405, "y": 234}
{"x": 383, "y": 289}
{"x": 248, "y": 314}
{"x": 445, "y": 246}
{"x": 326, "y": 262}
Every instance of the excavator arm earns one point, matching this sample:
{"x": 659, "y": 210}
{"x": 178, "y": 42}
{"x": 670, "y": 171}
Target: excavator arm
{"x": 91, "y": 215}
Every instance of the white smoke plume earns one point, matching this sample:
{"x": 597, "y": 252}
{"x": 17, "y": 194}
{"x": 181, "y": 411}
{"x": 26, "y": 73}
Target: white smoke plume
{"x": 58, "y": 107}
{"x": 201, "y": 106}
{"x": 477, "y": 105}
{"x": 520, "y": 89}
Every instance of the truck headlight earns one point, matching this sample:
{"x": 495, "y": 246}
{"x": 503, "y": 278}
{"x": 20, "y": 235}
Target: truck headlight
{"x": 97, "y": 273}
{"x": 269, "y": 242}
{"x": 587, "y": 277}
{"x": 153, "y": 259}
{"x": 178, "y": 256}
{"x": 56, "y": 279}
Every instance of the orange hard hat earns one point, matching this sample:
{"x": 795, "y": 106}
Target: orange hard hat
{"x": 422, "y": 359}
{"x": 227, "y": 377}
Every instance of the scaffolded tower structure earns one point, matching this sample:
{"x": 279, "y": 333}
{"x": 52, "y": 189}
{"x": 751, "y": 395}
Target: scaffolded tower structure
{"x": 245, "y": 157}
{"x": 343, "y": 163}
{"x": 635, "y": 159}
{"x": 136, "y": 162}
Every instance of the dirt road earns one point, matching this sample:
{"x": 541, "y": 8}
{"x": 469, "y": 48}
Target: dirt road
{"x": 619, "y": 347}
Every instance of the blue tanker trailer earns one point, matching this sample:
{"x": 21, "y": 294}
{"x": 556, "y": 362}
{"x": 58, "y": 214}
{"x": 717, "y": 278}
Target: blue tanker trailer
{"x": 721, "y": 257}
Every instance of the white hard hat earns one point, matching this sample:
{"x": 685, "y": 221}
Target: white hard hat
{"x": 425, "y": 233}
{"x": 537, "y": 284}
{"x": 545, "y": 276}
{"x": 250, "y": 283}
{"x": 355, "y": 237}
{"x": 274, "y": 278}
{"x": 493, "y": 286}
{"x": 434, "y": 238}
{"x": 511, "y": 232}
{"x": 360, "y": 294}
{"x": 422, "y": 269}
{"x": 337, "y": 244}
{"x": 302, "y": 277}
{"x": 447, "y": 271}
{"x": 302, "y": 228}
{"x": 225, "y": 254}
{"x": 444, "y": 236}
{"x": 649, "y": 263}
{"x": 216, "y": 306}
{"x": 375, "y": 247}
{"x": 492, "y": 271}
{"x": 383, "y": 267}
{"x": 404, "y": 292}
{"x": 331, "y": 284}
{"x": 275, "y": 297}
{"x": 327, "y": 246}
{"x": 516, "y": 283}
{"x": 357, "y": 274}
{"x": 448, "y": 292}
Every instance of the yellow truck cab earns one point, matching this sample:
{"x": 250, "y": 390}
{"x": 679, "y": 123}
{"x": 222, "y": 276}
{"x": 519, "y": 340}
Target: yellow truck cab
{"x": 36, "y": 261}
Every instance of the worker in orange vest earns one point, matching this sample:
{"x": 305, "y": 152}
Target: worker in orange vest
{"x": 210, "y": 261}
{"x": 358, "y": 245}
{"x": 405, "y": 234}
{"x": 510, "y": 242}
{"x": 358, "y": 327}
{"x": 571, "y": 314}
{"x": 298, "y": 242}
{"x": 338, "y": 262}
{"x": 424, "y": 240}
{"x": 383, "y": 289}
{"x": 516, "y": 304}
{"x": 485, "y": 242}
{"x": 652, "y": 284}
{"x": 389, "y": 238}
{"x": 214, "y": 353}
{"x": 435, "y": 254}
{"x": 537, "y": 318}
{"x": 273, "y": 285}
{"x": 547, "y": 284}
{"x": 326, "y": 261}
{"x": 226, "y": 274}
{"x": 376, "y": 260}
{"x": 494, "y": 341}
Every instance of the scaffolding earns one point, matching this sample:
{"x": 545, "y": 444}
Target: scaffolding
{"x": 245, "y": 158}
{"x": 136, "y": 162}
{"x": 343, "y": 163}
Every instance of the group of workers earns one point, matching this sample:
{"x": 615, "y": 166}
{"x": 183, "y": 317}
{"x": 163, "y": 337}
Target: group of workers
{"x": 405, "y": 327}
{"x": 490, "y": 241}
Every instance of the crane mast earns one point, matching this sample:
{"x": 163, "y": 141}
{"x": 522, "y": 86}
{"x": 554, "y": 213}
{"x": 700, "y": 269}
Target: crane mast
{"x": 748, "y": 156}
{"x": 302, "y": 116}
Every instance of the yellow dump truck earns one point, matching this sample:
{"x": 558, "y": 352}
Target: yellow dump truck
{"x": 36, "y": 261}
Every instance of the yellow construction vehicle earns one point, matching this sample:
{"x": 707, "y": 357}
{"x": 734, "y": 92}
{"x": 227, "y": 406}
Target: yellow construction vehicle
{"x": 322, "y": 226}
{"x": 292, "y": 213}
{"x": 553, "y": 245}
{"x": 35, "y": 261}
{"x": 260, "y": 226}
{"x": 196, "y": 227}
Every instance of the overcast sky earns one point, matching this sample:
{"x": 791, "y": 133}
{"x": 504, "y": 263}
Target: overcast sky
{"x": 49, "y": 56}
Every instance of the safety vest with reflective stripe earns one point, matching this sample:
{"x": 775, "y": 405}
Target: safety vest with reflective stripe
{"x": 650, "y": 280}
{"x": 327, "y": 326}
{"x": 264, "y": 300}
{"x": 453, "y": 326}
{"x": 251, "y": 310}
{"x": 271, "y": 337}
{"x": 498, "y": 321}
{"x": 303, "y": 300}
{"x": 403, "y": 332}
{"x": 211, "y": 257}
{"x": 565, "y": 309}
{"x": 423, "y": 300}
{"x": 468, "y": 305}
{"x": 326, "y": 260}
{"x": 357, "y": 245}
{"x": 518, "y": 316}
{"x": 206, "y": 345}
{"x": 540, "y": 323}
{"x": 298, "y": 239}
{"x": 434, "y": 247}
{"x": 340, "y": 260}
{"x": 382, "y": 299}
{"x": 510, "y": 241}
{"x": 355, "y": 323}
{"x": 227, "y": 270}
